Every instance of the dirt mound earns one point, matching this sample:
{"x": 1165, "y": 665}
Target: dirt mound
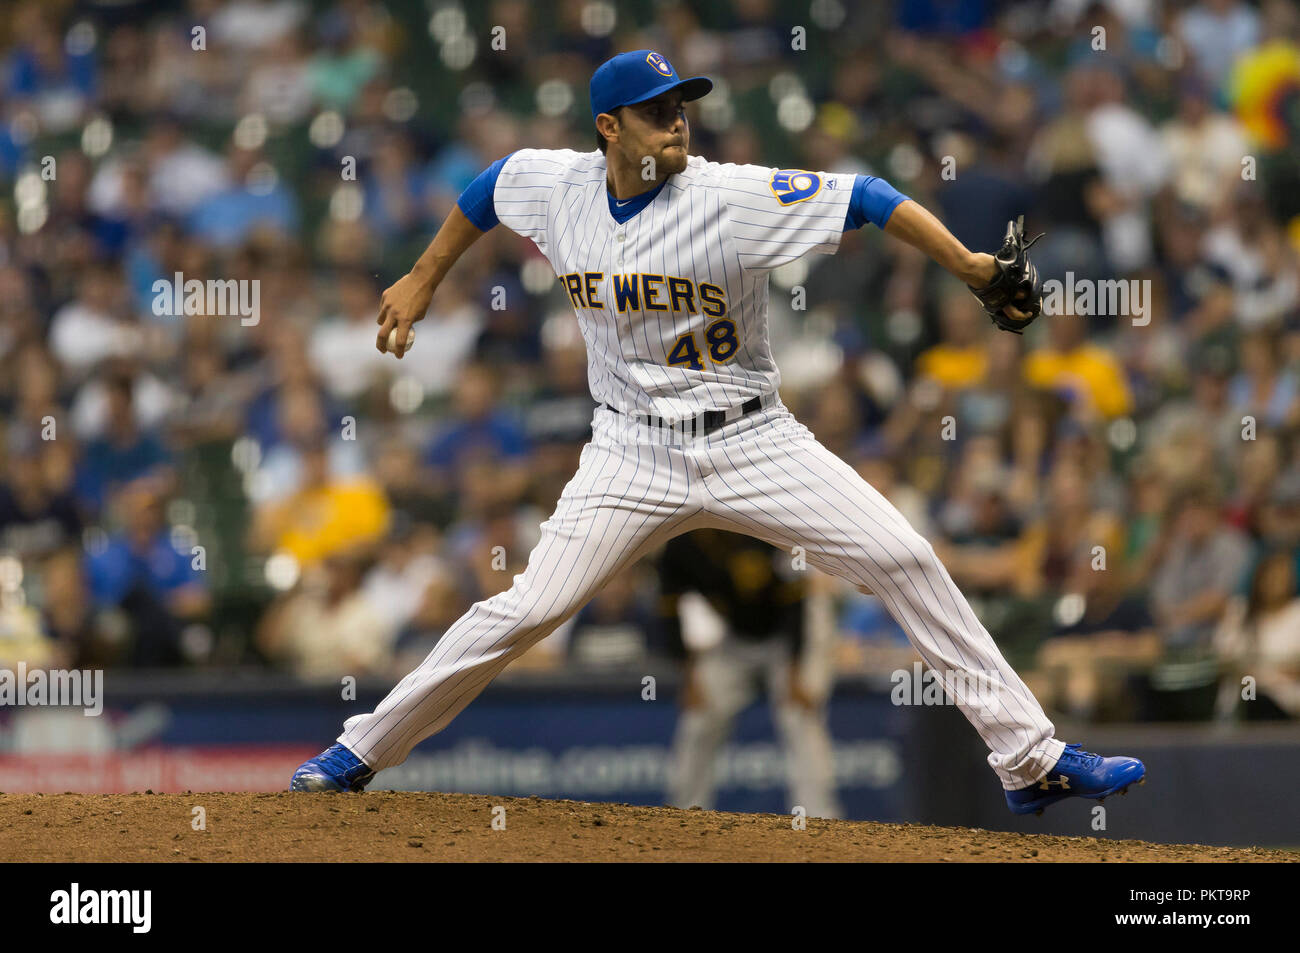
{"x": 460, "y": 827}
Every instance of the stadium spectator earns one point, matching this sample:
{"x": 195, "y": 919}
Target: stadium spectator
{"x": 324, "y": 516}
{"x": 1133, "y": 165}
{"x": 451, "y": 333}
{"x": 328, "y": 627}
{"x": 1070, "y": 526}
{"x": 56, "y": 79}
{"x": 301, "y": 427}
{"x": 557, "y": 421}
{"x": 478, "y": 437}
{"x": 92, "y": 327}
{"x": 408, "y": 569}
{"x": 1217, "y": 32}
{"x": 1259, "y": 640}
{"x": 280, "y": 86}
{"x": 1083, "y": 372}
{"x": 209, "y": 408}
{"x": 82, "y": 637}
{"x": 1264, "y": 388}
{"x": 255, "y": 24}
{"x": 123, "y": 454}
{"x": 980, "y": 537}
{"x": 1252, "y": 250}
{"x": 1202, "y": 564}
{"x": 178, "y": 173}
{"x": 253, "y": 199}
{"x": 349, "y": 55}
{"x": 393, "y": 189}
{"x": 22, "y": 638}
{"x": 960, "y": 360}
{"x": 142, "y": 571}
{"x": 342, "y": 346}
{"x": 1102, "y": 632}
{"x": 488, "y": 544}
{"x": 38, "y": 511}
{"x": 1205, "y": 149}
{"x": 615, "y": 627}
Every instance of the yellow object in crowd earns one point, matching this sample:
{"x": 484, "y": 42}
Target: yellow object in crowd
{"x": 954, "y": 367}
{"x": 1262, "y": 82}
{"x": 1088, "y": 369}
{"x": 323, "y": 521}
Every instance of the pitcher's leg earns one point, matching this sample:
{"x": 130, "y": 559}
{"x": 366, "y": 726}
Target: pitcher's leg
{"x": 785, "y": 487}
{"x": 623, "y": 501}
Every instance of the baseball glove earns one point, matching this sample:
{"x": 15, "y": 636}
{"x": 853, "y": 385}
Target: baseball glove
{"x": 1015, "y": 284}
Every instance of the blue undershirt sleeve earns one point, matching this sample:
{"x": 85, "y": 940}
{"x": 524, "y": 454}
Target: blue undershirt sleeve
{"x": 874, "y": 200}
{"x": 476, "y": 200}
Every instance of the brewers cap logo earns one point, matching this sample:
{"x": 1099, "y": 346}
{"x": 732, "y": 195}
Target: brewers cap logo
{"x": 795, "y": 185}
{"x": 661, "y": 65}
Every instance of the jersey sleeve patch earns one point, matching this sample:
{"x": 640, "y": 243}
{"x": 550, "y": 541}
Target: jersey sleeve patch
{"x": 794, "y": 185}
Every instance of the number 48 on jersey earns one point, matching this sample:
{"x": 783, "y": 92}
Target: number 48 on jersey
{"x": 720, "y": 341}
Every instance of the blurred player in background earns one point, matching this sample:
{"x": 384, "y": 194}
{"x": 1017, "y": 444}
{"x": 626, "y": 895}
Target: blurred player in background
{"x": 734, "y": 611}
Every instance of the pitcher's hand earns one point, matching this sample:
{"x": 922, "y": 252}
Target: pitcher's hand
{"x": 400, "y": 306}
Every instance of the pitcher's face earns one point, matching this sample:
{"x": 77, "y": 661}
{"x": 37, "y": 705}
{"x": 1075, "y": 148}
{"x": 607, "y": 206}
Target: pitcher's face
{"x": 656, "y": 129}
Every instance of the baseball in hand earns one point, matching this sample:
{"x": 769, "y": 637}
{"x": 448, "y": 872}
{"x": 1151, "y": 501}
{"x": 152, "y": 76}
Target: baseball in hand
{"x": 391, "y": 346}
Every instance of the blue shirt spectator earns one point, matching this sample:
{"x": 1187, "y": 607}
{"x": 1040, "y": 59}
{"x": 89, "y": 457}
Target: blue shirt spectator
{"x": 495, "y": 436}
{"x": 30, "y": 74}
{"x": 157, "y": 566}
{"x": 106, "y": 463}
{"x": 123, "y": 454}
{"x": 226, "y": 218}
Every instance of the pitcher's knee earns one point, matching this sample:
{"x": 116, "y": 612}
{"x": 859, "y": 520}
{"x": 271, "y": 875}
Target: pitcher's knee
{"x": 916, "y": 554}
{"x": 525, "y": 613}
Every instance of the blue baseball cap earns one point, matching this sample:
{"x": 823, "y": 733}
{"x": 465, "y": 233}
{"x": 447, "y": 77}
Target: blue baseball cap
{"x": 637, "y": 76}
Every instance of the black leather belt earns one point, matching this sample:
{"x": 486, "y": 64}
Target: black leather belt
{"x": 705, "y": 423}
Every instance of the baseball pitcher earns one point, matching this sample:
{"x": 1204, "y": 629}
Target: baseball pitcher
{"x": 665, "y": 258}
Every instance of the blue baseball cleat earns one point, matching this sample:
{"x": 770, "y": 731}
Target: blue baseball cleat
{"x": 1079, "y": 773}
{"x": 334, "y": 769}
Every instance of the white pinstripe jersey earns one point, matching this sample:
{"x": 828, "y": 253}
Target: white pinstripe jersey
{"x": 672, "y": 303}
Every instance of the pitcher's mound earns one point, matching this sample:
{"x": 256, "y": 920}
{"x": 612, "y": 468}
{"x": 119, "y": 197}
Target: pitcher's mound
{"x": 387, "y": 826}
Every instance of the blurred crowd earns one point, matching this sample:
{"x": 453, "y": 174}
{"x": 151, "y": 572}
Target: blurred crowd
{"x": 1118, "y": 494}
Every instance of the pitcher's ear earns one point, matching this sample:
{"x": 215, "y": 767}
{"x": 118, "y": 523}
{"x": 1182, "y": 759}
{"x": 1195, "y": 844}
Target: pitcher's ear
{"x": 607, "y": 124}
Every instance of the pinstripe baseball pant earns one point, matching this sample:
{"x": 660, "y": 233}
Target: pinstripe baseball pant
{"x": 763, "y": 475}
